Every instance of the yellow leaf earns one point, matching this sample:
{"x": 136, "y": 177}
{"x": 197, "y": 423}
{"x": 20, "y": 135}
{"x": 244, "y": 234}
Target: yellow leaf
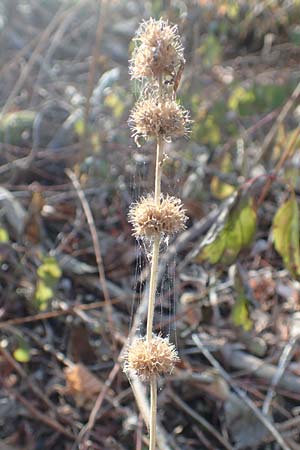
{"x": 43, "y": 294}
{"x": 22, "y": 354}
{"x": 4, "y": 237}
{"x": 233, "y": 231}
{"x": 219, "y": 188}
{"x": 286, "y": 235}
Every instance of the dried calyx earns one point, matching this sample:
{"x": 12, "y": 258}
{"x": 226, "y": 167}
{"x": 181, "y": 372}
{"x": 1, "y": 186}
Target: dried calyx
{"x": 159, "y": 51}
{"x": 150, "y": 220}
{"x": 154, "y": 117}
{"x": 151, "y": 358}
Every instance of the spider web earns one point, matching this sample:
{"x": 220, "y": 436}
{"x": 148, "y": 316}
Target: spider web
{"x": 165, "y": 309}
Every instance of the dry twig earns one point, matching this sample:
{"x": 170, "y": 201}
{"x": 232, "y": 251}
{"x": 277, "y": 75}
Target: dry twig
{"x": 96, "y": 245}
{"x": 241, "y": 394}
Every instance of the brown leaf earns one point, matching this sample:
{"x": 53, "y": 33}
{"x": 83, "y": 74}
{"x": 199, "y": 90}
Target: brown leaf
{"x": 33, "y": 224}
{"x": 82, "y": 385}
{"x": 79, "y": 347}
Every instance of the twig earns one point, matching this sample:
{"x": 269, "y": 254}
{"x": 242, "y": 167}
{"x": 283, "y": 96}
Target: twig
{"x": 153, "y": 412}
{"x": 282, "y": 365}
{"x": 33, "y": 386}
{"x": 241, "y": 394}
{"x": 51, "y": 314}
{"x": 86, "y": 430}
{"x": 21, "y": 372}
{"x": 195, "y": 232}
{"x": 56, "y": 40}
{"x": 202, "y": 438}
{"x": 36, "y": 414}
{"x": 282, "y": 115}
{"x": 18, "y": 56}
{"x": 290, "y": 423}
{"x": 139, "y": 433}
{"x": 144, "y": 408}
{"x": 155, "y": 247}
{"x": 285, "y": 155}
{"x": 59, "y": 16}
{"x": 102, "y": 8}
{"x": 243, "y": 361}
{"x": 141, "y": 402}
{"x": 153, "y": 282}
{"x": 96, "y": 245}
{"x": 37, "y": 391}
{"x": 152, "y": 286}
{"x": 201, "y": 420}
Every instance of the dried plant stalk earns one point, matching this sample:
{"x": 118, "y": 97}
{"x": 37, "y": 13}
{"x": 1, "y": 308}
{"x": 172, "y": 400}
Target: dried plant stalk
{"x": 158, "y": 57}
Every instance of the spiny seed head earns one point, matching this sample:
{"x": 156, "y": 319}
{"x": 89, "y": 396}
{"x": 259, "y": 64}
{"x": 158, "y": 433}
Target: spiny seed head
{"x": 150, "y": 220}
{"x": 154, "y": 117}
{"x": 146, "y": 359}
{"x": 159, "y": 50}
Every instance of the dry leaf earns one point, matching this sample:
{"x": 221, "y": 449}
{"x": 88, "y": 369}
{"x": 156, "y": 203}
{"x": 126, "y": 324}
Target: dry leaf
{"x": 82, "y": 385}
{"x": 33, "y": 224}
{"x": 79, "y": 347}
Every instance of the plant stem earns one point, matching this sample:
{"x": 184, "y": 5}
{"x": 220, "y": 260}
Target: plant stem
{"x": 152, "y": 287}
{"x": 156, "y": 243}
{"x": 153, "y": 284}
{"x": 153, "y": 409}
{"x": 152, "y": 292}
{"x": 158, "y": 170}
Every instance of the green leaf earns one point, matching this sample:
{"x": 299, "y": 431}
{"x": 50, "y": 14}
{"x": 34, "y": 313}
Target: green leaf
{"x": 13, "y": 125}
{"x": 4, "y": 237}
{"x": 207, "y": 131}
{"x": 49, "y": 271}
{"x": 79, "y": 127}
{"x": 219, "y": 188}
{"x": 116, "y": 105}
{"x": 286, "y": 235}
{"x": 43, "y": 294}
{"x": 258, "y": 98}
{"x": 241, "y": 100}
{"x": 240, "y": 313}
{"x": 22, "y": 353}
{"x": 211, "y": 50}
{"x": 233, "y": 231}
{"x": 49, "y": 274}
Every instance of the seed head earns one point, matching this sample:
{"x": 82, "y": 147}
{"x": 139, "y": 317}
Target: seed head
{"x": 146, "y": 359}
{"x": 159, "y": 50}
{"x": 153, "y": 117}
{"x": 149, "y": 220}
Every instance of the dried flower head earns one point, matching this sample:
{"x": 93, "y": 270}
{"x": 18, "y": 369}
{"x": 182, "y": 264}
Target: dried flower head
{"x": 153, "y": 117}
{"x": 145, "y": 359}
{"x": 150, "y": 220}
{"x": 159, "y": 51}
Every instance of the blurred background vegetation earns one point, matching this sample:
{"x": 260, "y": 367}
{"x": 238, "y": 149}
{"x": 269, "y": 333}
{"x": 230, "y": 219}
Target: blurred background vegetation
{"x": 65, "y": 97}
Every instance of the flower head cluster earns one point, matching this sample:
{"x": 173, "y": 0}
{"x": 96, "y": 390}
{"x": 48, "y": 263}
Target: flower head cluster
{"x": 146, "y": 359}
{"x": 150, "y": 220}
{"x": 153, "y": 117}
{"x": 159, "y": 50}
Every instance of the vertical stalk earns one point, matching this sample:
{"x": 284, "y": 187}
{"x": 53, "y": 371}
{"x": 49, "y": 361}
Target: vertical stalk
{"x": 153, "y": 285}
{"x": 158, "y": 170}
{"x": 156, "y": 242}
{"x": 153, "y": 400}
